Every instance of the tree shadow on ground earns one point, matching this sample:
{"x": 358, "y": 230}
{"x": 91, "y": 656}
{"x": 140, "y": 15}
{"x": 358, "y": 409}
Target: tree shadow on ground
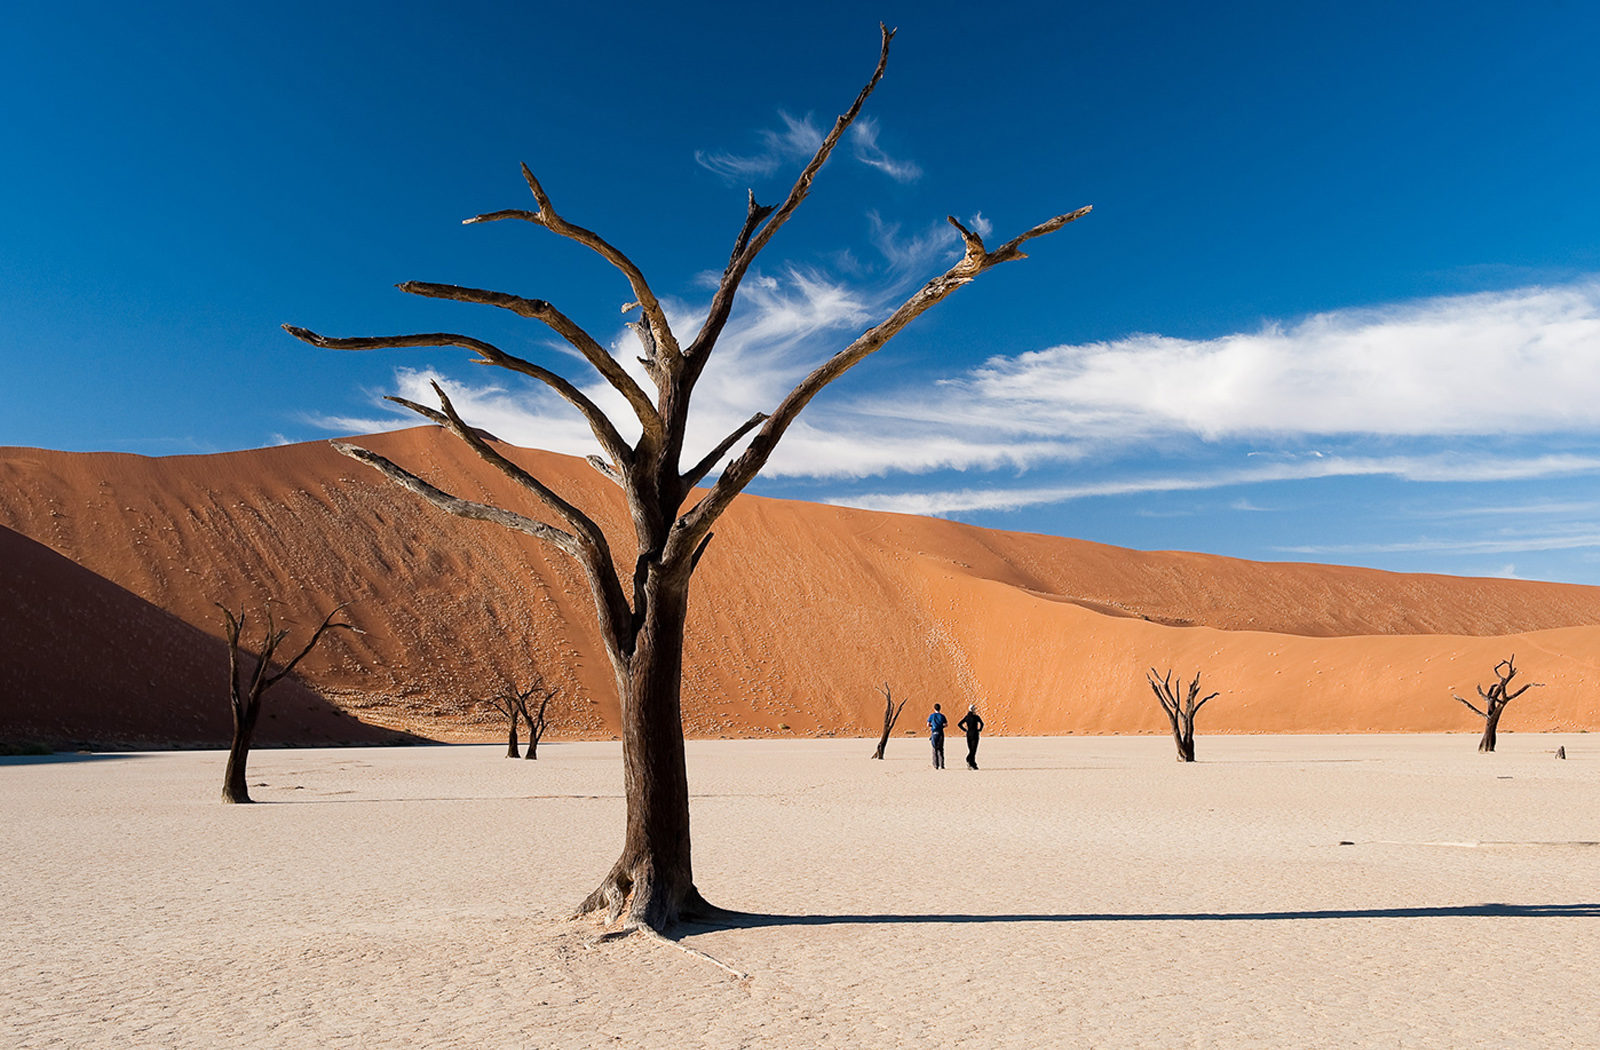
{"x": 752, "y": 920}
{"x": 57, "y": 757}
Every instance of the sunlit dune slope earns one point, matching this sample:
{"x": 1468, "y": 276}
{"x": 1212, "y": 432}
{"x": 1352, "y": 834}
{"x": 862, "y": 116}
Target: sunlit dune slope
{"x": 800, "y": 611}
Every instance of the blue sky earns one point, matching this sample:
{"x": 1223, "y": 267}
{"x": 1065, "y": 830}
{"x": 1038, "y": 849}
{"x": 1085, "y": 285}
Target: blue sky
{"x": 1339, "y": 299}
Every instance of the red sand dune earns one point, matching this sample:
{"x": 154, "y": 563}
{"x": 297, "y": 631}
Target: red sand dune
{"x": 800, "y": 611}
{"x": 89, "y": 664}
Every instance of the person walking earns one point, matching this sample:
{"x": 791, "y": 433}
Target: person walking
{"x": 936, "y": 723}
{"x": 973, "y": 726}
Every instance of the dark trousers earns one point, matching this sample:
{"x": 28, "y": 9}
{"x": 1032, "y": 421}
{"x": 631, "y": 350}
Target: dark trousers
{"x": 972, "y": 751}
{"x": 938, "y": 751}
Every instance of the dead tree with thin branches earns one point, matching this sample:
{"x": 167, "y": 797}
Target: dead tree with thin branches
{"x": 891, "y": 715}
{"x": 537, "y": 721}
{"x": 505, "y": 703}
{"x": 642, "y": 614}
{"x": 1495, "y": 700}
{"x": 244, "y": 693}
{"x": 1180, "y": 709}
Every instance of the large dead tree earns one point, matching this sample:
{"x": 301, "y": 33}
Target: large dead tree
{"x": 891, "y": 715}
{"x": 1180, "y": 708}
{"x": 642, "y": 613}
{"x": 1495, "y": 700}
{"x": 244, "y": 693}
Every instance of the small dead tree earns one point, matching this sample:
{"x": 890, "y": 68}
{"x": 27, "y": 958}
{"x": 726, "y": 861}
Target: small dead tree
{"x": 891, "y": 714}
{"x": 505, "y": 702}
{"x": 245, "y": 695}
{"x": 1180, "y": 711}
{"x": 1495, "y": 700}
{"x": 643, "y": 609}
{"x": 536, "y": 720}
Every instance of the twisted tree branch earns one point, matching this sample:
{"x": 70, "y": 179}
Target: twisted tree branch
{"x": 547, "y": 217}
{"x": 605, "y": 432}
{"x": 558, "y": 322}
{"x": 750, "y": 242}
{"x": 694, "y": 523}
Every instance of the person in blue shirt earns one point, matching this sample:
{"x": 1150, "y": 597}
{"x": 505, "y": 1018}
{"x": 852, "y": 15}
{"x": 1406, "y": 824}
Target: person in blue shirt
{"x": 936, "y": 724}
{"x": 973, "y": 726}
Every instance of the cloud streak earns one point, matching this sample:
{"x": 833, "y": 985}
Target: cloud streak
{"x": 798, "y": 140}
{"x": 1439, "y": 468}
{"x": 1444, "y": 390}
{"x": 1525, "y": 361}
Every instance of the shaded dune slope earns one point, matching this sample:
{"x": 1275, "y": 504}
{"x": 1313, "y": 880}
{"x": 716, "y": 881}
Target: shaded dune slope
{"x": 89, "y": 664}
{"x": 799, "y": 611}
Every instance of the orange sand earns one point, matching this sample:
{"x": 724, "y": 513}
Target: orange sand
{"x": 800, "y": 612}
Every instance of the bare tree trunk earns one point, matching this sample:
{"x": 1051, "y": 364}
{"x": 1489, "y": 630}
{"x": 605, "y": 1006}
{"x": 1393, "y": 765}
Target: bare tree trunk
{"x": 654, "y": 867}
{"x": 537, "y": 722}
{"x": 511, "y": 738}
{"x": 1490, "y": 724}
{"x": 1184, "y": 736}
{"x": 234, "y": 785}
{"x": 891, "y": 714}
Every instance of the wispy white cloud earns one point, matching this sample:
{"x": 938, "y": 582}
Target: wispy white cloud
{"x": 864, "y": 144}
{"x": 1071, "y": 422}
{"x": 1520, "y": 362}
{"x": 798, "y": 140}
{"x": 1406, "y": 468}
{"x": 1492, "y": 545}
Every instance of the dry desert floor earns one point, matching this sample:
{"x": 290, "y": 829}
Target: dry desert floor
{"x": 1330, "y": 891}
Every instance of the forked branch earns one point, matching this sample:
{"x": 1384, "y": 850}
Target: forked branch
{"x": 605, "y": 432}
{"x": 750, "y": 241}
{"x": 698, "y": 472}
{"x": 547, "y": 217}
{"x": 558, "y": 322}
{"x": 611, "y": 604}
{"x": 743, "y": 470}
{"x": 462, "y": 508}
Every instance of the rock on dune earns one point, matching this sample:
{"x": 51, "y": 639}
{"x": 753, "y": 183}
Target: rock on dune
{"x": 800, "y": 611}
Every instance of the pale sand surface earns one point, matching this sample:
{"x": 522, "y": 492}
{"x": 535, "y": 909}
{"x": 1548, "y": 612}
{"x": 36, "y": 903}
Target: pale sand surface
{"x": 1074, "y": 892}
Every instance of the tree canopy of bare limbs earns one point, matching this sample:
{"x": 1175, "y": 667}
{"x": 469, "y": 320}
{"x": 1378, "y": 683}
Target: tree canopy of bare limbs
{"x": 1495, "y": 700}
{"x": 244, "y": 693}
{"x": 642, "y": 615}
{"x": 1180, "y": 708}
{"x": 513, "y": 702}
{"x": 537, "y": 719}
{"x": 891, "y": 715}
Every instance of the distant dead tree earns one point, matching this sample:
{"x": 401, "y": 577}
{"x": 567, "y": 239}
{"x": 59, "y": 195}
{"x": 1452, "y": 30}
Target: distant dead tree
{"x": 891, "y": 714}
{"x": 244, "y": 695}
{"x": 536, "y": 720}
{"x": 643, "y": 610}
{"x": 513, "y": 701}
{"x": 1496, "y": 699}
{"x": 505, "y": 702}
{"x": 1180, "y": 710}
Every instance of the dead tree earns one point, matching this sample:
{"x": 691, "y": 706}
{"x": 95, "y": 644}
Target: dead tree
{"x": 505, "y": 702}
{"x": 536, "y": 720}
{"x": 244, "y": 695}
{"x": 891, "y": 714}
{"x": 641, "y": 619}
{"x": 1180, "y": 710}
{"x": 1495, "y": 700}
